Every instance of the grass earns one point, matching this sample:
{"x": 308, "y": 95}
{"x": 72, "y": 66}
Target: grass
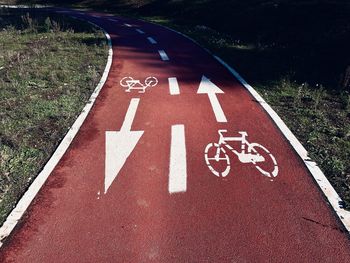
{"x": 294, "y": 52}
{"x": 320, "y": 118}
{"x": 42, "y": 91}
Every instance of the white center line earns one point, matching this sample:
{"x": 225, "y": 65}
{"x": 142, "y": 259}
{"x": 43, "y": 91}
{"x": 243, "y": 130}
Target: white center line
{"x": 178, "y": 167}
{"x": 128, "y": 25}
{"x": 173, "y": 86}
{"x": 140, "y": 31}
{"x": 163, "y": 55}
{"x": 151, "y": 40}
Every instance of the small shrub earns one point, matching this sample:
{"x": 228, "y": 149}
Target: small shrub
{"x": 48, "y": 24}
{"x": 345, "y": 100}
{"x": 56, "y": 27}
{"x": 319, "y": 94}
{"x": 30, "y": 23}
{"x": 345, "y": 79}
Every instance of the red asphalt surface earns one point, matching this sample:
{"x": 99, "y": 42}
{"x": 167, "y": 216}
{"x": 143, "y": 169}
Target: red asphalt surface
{"x": 244, "y": 217}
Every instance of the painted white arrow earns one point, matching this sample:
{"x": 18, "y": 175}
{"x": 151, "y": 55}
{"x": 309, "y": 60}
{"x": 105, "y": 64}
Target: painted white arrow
{"x": 208, "y": 87}
{"x": 120, "y": 144}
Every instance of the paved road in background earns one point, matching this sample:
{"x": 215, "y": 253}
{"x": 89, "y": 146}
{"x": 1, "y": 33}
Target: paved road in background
{"x": 176, "y": 162}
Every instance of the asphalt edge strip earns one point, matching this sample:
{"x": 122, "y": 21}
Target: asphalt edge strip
{"x": 16, "y": 214}
{"x": 325, "y": 186}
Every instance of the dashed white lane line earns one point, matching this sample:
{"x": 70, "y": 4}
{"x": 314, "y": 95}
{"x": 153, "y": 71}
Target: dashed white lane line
{"x": 140, "y": 31}
{"x": 113, "y": 20}
{"x": 151, "y": 40}
{"x": 128, "y": 25}
{"x": 163, "y": 55}
{"x": 178, "y": 166}
{"x": 173, "y": 86}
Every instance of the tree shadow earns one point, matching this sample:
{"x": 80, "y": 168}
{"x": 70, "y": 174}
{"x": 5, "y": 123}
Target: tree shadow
{"x": 306, "y": 39}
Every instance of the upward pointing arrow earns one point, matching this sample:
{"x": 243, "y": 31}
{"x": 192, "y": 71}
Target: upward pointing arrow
{"x": 120, "y": 144}
{"x": 208, "y": 87}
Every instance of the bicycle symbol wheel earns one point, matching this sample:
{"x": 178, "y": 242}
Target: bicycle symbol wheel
{"x": 151, "y": 81}
{"x": 269, "y": 166}
{"x": 217, "y": 160}
{"x": 124, "y": 81}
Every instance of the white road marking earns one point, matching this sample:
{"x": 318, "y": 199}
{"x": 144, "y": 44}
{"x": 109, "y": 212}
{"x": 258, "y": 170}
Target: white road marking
{"x": 178, "y": 166}
{"x": 322, "y": 181}
{"x": 151, "y": 40}
{"x": 328, "y": 190}
{"x": 130, "y": 115}
{"x": 140, "y": 31}
{"x": 135, "y": 84}
{"x": 95, "y": 16}
{"x": 128, "y": 25}
{"x": 113, "y": 20}
{"x": 208, "y": 87}
{"x": 173, "y": 86}
{"x": 120, "y": 144}
{"x": 163, "y": 55}
{"x": 248, "y": 153}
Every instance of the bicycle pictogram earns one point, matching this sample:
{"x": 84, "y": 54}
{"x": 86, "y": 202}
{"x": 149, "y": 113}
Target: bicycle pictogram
{"x": 134, "y": 84}
{"x": 218, "y": 160}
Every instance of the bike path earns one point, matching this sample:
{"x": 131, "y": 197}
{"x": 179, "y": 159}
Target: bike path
{"x": 243, "y": 217}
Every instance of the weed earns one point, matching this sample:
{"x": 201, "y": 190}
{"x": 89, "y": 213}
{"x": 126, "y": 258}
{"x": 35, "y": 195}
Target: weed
{"x": 345, "y": 79}
{"x": 56, "y": 27}
{"x": 345, "y": 99}
{"x": 29, "y": 23}
{"x": 319, "y": 95}
{"x": 48, "y": 24}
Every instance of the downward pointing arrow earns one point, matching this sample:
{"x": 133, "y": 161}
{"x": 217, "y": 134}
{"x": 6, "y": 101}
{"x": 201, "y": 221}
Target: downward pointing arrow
{"x": 208, "y": 87}
{"x": 120, "y": 144}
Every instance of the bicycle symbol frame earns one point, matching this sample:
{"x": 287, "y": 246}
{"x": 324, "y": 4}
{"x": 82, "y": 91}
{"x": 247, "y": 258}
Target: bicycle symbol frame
{"x": 249, "y": 154}
{"x": 134, "y": 84}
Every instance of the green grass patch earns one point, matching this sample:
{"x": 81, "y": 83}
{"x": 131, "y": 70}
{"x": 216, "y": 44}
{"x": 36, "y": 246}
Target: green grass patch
{"x": 49, "y": 66}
